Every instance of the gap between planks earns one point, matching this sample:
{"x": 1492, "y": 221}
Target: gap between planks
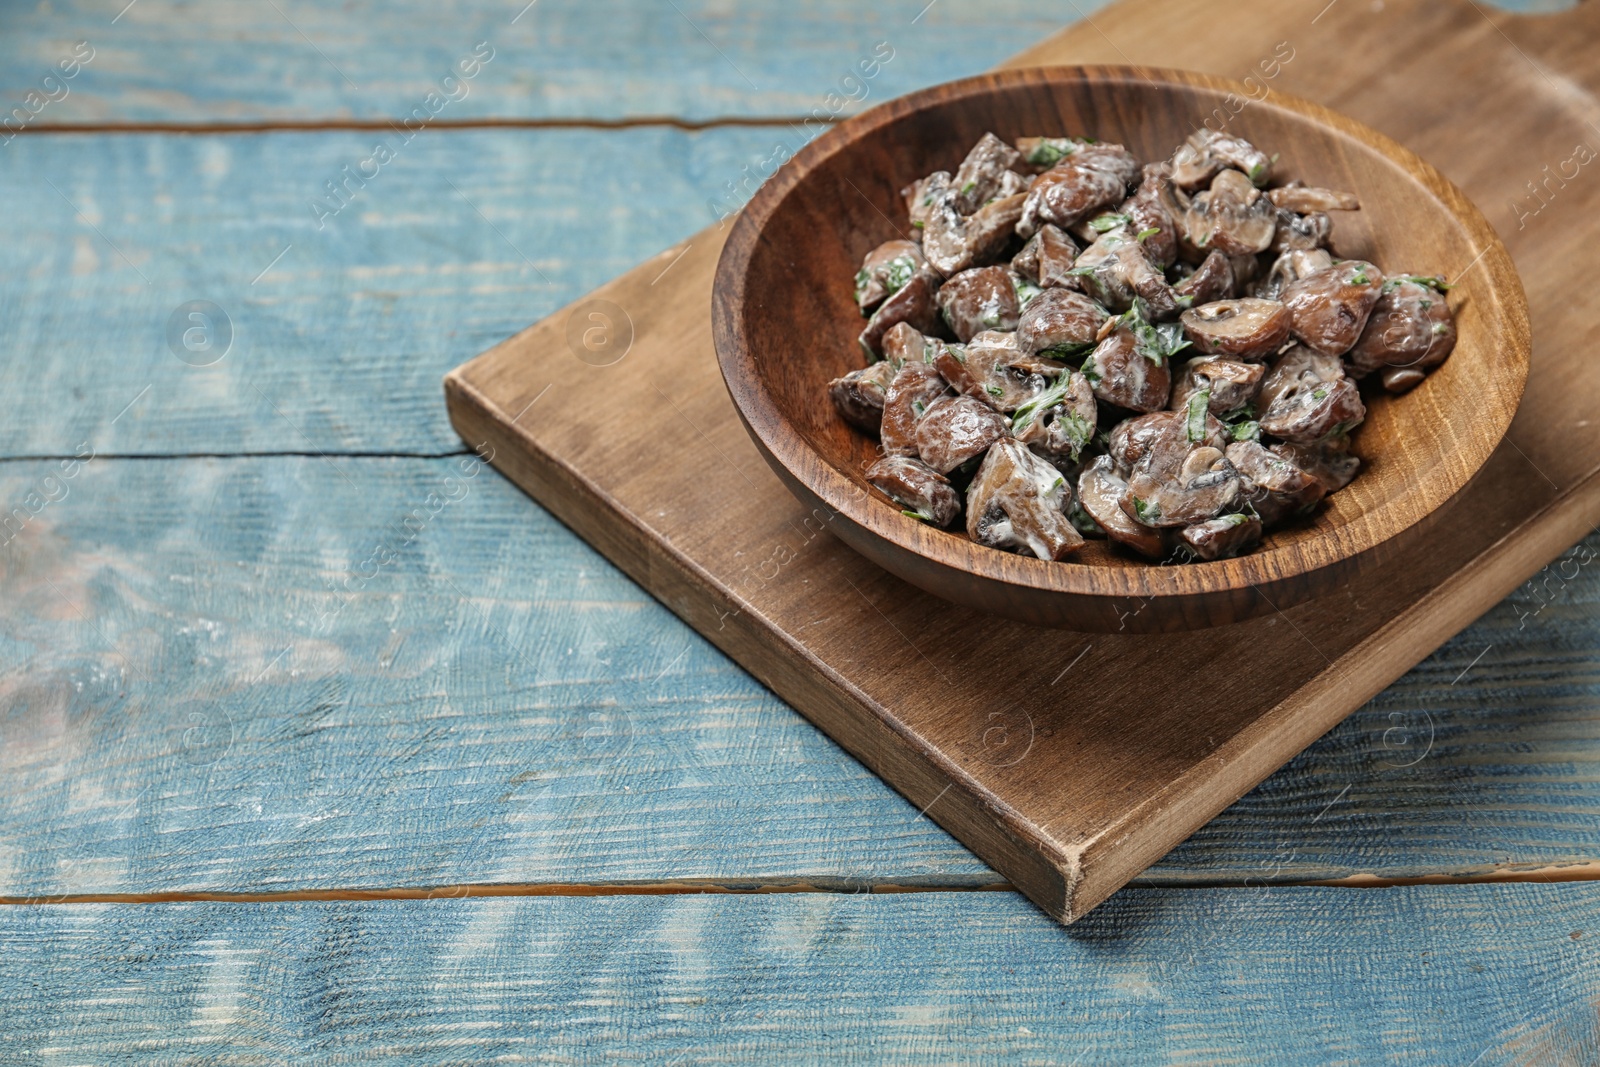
{"x": 487, "y": 123}
{"x": 1587, "y": 871}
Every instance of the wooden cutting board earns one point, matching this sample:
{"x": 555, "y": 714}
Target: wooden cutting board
{"x": 1067, "y": 761}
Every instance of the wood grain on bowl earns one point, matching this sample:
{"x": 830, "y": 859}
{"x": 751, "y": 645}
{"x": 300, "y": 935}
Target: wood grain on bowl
{"x": 785, "y": 322}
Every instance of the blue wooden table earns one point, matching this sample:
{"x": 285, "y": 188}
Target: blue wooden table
{"x": 319, "y": 740}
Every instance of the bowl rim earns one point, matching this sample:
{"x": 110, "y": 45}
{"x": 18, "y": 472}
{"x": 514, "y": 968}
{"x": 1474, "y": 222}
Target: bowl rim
{"x": 785, "y": 447}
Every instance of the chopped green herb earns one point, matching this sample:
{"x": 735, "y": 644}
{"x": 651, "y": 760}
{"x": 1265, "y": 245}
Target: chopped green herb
{"x": 1067, "y": 353}
{"x": 1051, "y": 150}
{"x": 1359, "y": 278}
{"x": 1145, "y": 513}
{"x": 1319, "y": 394}
{"x": 1258, "y": 172}
{"x": 1057, "y": 484}
{"x": 1026, "y": 290}
{"x": 1432, "y": 281}
{"x": 994, "y": 390}
{"x": 1194, "y": 420}
{"x": 917, "y": 515}
{"x": 1108, "y": 222}
{"x": 917, "y": 224}
{"x": 1440, "y": 327}
{"x": 992, "y": 319}
{"x": 1235, "y": 519}
{"x": 1154, "y": 342}
{"x": 1046, "y": 400}
{"x": 967, "y": 188}
{"x": 898, "y": 273}
{"x": 1151, "y": 232}
{"x": 862, "y": 280}
{"x": 919, "y": 407}
{"x": 1249, "y": 430}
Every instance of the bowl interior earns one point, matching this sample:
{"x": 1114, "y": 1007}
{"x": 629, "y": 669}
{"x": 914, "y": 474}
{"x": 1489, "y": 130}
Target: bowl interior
{"x": 794, "y": 320}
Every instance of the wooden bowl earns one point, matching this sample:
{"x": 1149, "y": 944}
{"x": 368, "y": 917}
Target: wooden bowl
{"x": 785, "y": 323}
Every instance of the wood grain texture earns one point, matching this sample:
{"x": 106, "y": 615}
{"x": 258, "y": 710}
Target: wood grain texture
{"x": 784, "y": 321}
{"x": 240, "y": 709}
{"x": 876, "y": 663}
{"x": 338, "y": 345}
{"x": 1487, "y": 975}
{"x": 169, "y": 61}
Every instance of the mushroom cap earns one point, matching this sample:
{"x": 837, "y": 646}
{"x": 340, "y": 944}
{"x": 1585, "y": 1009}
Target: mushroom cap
{"x": 1212, "y": 280}
{"x": 885, "y": 269}
{"x": 1231, "y": 216}
{"x": 1326, "y": 461}
{"x": 1275, "y": 485}
{"x": 1179, "y": 481}
{"x": 1060, "y": 423}
{"x": 913, "y": 303}
{"x": 1307, "y": 199}
{"x": 1231, "y": 383}
{"x": 1292, "y": 265}
{"x": 991, "y": 369}
{"x": 1018, "y": 501}
{"x": 1307, "y": 397}
{"x": 1122, "y": 375}
{"x": 911, "y": 392}
{"x": 1091, "y": 179}
{"x": 981, "y": 173}
{"x": 1223, "y": 537}
{"x": 1249, "y": 327}
{"x": 1410, "y": 326}
{"x": 914, "y": 485}
{"x": 859, "y": 395}
{"x": 1100, "y": 492}
{"x": 1330, "y": 307}
{"x": 1059, "y": 318}
{"x": 978, "y": 299}
{"x": 954, "y": 429}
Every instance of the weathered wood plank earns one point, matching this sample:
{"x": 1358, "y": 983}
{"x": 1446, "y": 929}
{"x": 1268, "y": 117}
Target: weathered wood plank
{"x": 1487, "y": 975}
{"x": 251, "y": 674}
{"x": 340, "y": 344}
{"x": 169, "y": 61}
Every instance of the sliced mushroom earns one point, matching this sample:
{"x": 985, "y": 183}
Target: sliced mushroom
{"x": 1306, "y": 398}
{"x": 922, "y": 195}
{"x": 1212, "y": 280}
{"x": 1306, "y": 199}
{"x": 904, "y": 343}
{"x": 1330, "y": 308}
{"x": 1410, "y": 326}
{"x": 1229, "y": 384}
{"x": 886, "y": 270}
{"x": 1149, "y": 212}
{"x": 953, "y": 242}
{"x": 955, "y": 429}
{"x": 979, "y": 299}
{"x": 1059, "y": 423}
{"x": 917, "y": 487}
{"x": 1182, "y": 478}
{"x": 1274, "y": 485}
{"x": 1048, "y": 258}
{"x": 1207, "y": 152}
{"x": 1100, "y": 492}
{"x": 1091, "y": 179}
{"x": 1127, "y": 373}
{"x": 914, "y": 303}
{"x": 1223, "y": 537}
{"x": 1114, "y": 270}
{"x": 1300, "y": 232}
{"x": 1018, "y": 501}
{"x": 1060, "y": 321}
{"x": 1328, "y": 462}
{"x": 859, "y": 395}
{"x": 1129, "y": 439}
{"x": 979, "y": 177}
{"x": 991, "y": 369}
{"x": 1291, "y": 266}
{"x": 1247, "y": 328}
{"x": 1231, "y": 216}
{"x": 911, "y": 392}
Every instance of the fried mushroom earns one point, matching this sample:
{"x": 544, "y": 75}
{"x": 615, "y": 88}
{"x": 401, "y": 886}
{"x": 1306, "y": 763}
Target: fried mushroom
{"x": 1060, "y": 422}
{"x": 990, "y": 368}
{"x": 1410, "y": 327}
{"x": 1018, "y": 501}
{"x": 955, "y": 429}
{"x": 1124, "y": 369}
{"x": 859, "y": 395}
{"x": 885, "y": 271}
{"x": 1212, "y": 280}
{"x": 1182, "y": 478}
{"x": 913, "y": 303}
{"x": 980, "y": 175}
{"x": 1330, "y": 307}
{"x": 1291, "y": 266}
{"x": 1307, "y": 398}
{"x": 916, "y": 487}
{"x": 1223, "y": 537}
{"x": 952, "y": 242}
{"x": 1048, "y": 258}
{"x": 1274, "y": 485}
{"x": 1060, "y": 322}
{"x": 1329, "y": 462}
{"x": 1307, "y": 200}
{"x": 1100, "y": 492}
{"x": 979, "y": 299}
{"x": 1231, "y": 216}
{"x": 911, "y": 392}
{"x": 1247, "y": 328}
{"x": 1229, "y": 384}
{"x": 1093, "y": 178}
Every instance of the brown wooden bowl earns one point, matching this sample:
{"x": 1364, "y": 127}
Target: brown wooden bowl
{"x": 785, "y": 323}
